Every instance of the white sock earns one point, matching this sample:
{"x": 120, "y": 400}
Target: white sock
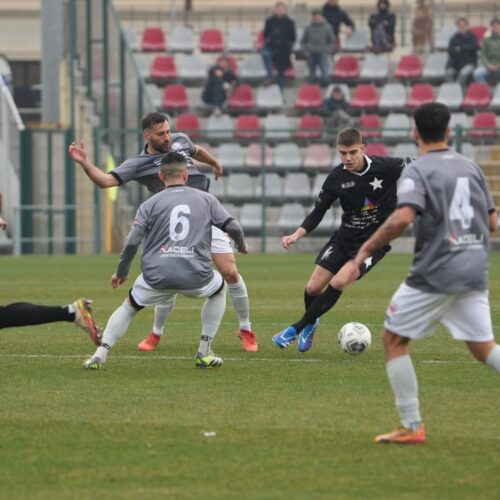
{"x": 404, "y": 385}
{"x": 115, "y": 329}
{"x": 239, "y": 298}
{"x": 162, "y": 312}
{"x": 211, "y": 316}
{"x": 493, "y": 359}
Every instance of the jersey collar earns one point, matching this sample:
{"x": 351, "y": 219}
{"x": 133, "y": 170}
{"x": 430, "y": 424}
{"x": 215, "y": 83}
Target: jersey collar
{"x": 363, "y": 172}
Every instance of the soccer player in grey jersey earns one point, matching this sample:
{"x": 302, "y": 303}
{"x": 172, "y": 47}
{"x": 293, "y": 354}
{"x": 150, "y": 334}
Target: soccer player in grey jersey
{"x": 446, "y": 197}
{"x": 175, "y": 225}
{"x": 144, "y": 169}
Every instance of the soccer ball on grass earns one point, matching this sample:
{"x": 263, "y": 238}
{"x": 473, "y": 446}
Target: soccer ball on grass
{"x": 354, "y": 338}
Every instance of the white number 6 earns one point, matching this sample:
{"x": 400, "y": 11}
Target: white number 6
{"x": 177, "y": 217}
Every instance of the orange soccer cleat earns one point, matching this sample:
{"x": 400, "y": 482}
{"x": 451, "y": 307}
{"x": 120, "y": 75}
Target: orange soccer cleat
{"x": 402, "y": 435}
{"x": 248, "y": 340}
{"x": 150, "y": 343}
{"x": 85, "y": 320}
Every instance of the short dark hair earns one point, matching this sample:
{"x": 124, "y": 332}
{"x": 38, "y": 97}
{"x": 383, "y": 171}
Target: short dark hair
{"x": 462, "y": 20}
{"x": 152, "y": 119}
{"x": 349, "y": 137}
{"x": 432, "y": 121}
{"x": 172, "y": 164}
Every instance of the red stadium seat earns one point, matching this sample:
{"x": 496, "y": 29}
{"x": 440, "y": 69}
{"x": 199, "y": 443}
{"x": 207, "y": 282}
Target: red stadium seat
{"x": 163, "y": 68}
{"x": 347, "y": 67}
{"x": 310, "y": 127}
{"x": 241, "y": 98}
{"x": 370, "y": 125}
{"x": 477, "y": 95}
{"x": 309, "y": 97}
{"x": 318, "y": 156}
{"x": 175, "y": 97}
{"x": 153, "y": 40}
{"x": 409, "y": 67}
{"x": 188, "y": 122}
{"x": 483, "y": 121}
{"x": 421, "y": 93}
{"x": 376, "y": 149}
{"x": 247, "y": 127}
{"x": 365, "y": 96}
{"x": 259, "y": 41}
{"x": 253, "y": 157}
{"x": 233, "y": 63}
{"x": 211, "y": 40}
{"x": 479, "y": 32}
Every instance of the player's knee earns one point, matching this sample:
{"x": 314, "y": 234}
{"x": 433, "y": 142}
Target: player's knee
{"x": 338, "y": 283}
{"x": 313, "y": 288}
{"x": 394, "y": 344}
{"x": 231, "y": 275}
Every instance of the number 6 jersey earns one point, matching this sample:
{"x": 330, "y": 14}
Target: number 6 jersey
{"x": 453, "y": 203}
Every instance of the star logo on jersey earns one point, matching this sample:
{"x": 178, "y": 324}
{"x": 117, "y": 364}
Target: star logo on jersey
{"x": 377, "y": 183}
{"x": 368, "y": 205}
{"x": 327, "y": 253}
{"x": 368, "y": 262}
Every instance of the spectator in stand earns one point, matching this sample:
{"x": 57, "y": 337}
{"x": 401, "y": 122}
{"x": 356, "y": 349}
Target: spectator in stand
{"x": 422, "y": 27}
{"x": 336, "y": 16}
{"x": 220, "y": 80}
{"x": 279, "y": 37}
{"x": 382, "y": 25}
{"x": 336, "y": 110}
{"x": 490, "y": 56}
{"x": 462, "y": 50}
{"x": 318, "y": 42}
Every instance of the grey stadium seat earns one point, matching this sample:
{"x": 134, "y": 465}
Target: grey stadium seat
{"x": 443, "y": 37}
{"x": 405, "y": 149}
{"x": 495, "y": 101}
{"x": 277, "y": 127}
{"x": 345, "y": 89}
{"x": 459, "y": 119}
{"x": 357, "y": 42}
{"x": 254, "y": 155}
{"x": 154, "y": 95}
{"x": 318, "y": 183}
{"x": 251, "y": 216}
{"x": 375, "y": 67}
{"x": 217, "y": 187}
{"x": 392, "y": 97}
{"x": 297, "y": 187}
{"x": 318, "y": 156}
{"x": 274, "y": 186}
{"x": 231, "y": 155}
{"x": 239, "y": 40}
{"x": 219, "y": 127}
{"x": 270, "y": 97}
{"x": 240, "y": 186}
{"x": 252, "y": 67}
{"x": 133, "y": 38}
{"x": 435, "y": 66}
{"x": 143, "y": 64}
{"x": 287, "y": 156}
{"x": 396, "y": 125}
{"x": 291, "y": 215}
{"x": 191, "y": 68}
{"x": 450, "y": 93}
{"x": 182, "y": 39}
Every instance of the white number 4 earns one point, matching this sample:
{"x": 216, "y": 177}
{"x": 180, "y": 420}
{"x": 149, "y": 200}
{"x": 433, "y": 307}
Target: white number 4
{"x": 460, "y": 207}
{"x": 178, "y": 218}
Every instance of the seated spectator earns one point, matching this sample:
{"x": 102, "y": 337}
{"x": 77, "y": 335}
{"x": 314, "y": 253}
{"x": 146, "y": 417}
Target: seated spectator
{"x": 462, "y": 51}
{"x": 336, "y": 110}
{"x": 490, "y": 56}
{"x": 336, "y": 16}
{"x": 382, "y": 25}
{"x": 279, "y": 37}
{"x": 220, "y": 80}
{"x": 318, "y": 43}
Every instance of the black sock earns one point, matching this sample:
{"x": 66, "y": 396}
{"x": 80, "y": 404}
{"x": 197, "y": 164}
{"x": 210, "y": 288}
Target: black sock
{"x": 309, "y": 299}
{"x": 320, "y": 306}
{"x": 24, "y": 313}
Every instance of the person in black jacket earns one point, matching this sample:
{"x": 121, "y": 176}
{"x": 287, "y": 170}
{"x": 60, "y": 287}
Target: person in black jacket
{"x": 382, "y": 25}
{"x": 279, "y": 37}
{"x": 337, "y": 16}
{"x": 462, "y": 50}
{"x": 220, "y": 79}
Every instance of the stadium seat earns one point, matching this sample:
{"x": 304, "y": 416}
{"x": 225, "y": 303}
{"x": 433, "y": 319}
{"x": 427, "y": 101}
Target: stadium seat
{"x": 217, "y": 187}
{"x": 310, "y": 127}
{"x": 370, "y": 125}
{"x": 259, "y": 40}
{"x": 357, "y": 42}
{"x": 154, "y": 95}
{"x": 175, "y": 97}
{"x": 346, "y": 68}
{"x": 318, "y": 156}
{"x": 443, "y": 37}
{"x": 247, "y": 127}
{"x": 163, "y": 68}
{"x": 477, "y": 96}
{"x": 420, "y": 93}
{"x": 251, "y": 216}
{"x": 240, "y": 187}
{"x": 409, "y": 67}
{"x": 435, "y": 67}
{"x": 269, "y": 97}
{"x": 153, "y": 40}
{"x": 143, "y": 64}
{"x": 189, "y": 123}
{"x": 277, "y": 127}
{"x": 376, "y": 149}
{"x": 495, "y": 101}
{"x": 219, "y": 127}
{"x": 182, "y": 39}
{"x": 274, "y": 186}
{"x": 318, "y": 182}
{"x": 231, "y": 155}
{"x": 459, "y": 119}
{"x": 242, "y": 98}
{"x": 239, "y": 40}
{"x": 365, "y": 96}
{"x": 253, "y": 157}
{"x": 479, "y": 32}
{"x": 309, "y": 97}
{"x": 392, "y": 97}
{"x": 482, "y": 122}
{"x": 252, "y": 68}
{"x": 345, "y": 90}
{"x": 192, "y": 68}
{"x": 450, "y": 93}
{"x": 405, "y": 150}
{"x": 132, "y": 37}
{"x": 396, "y": 125}
{"x": 291, "y": 215}
{"x": 287, "y": 156}
{"x": 297, "y": 187}
{"x": 211, "y": 40}
{"x": 375, "y": 68}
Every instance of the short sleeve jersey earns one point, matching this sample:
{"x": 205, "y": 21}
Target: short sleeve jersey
{"x": 367, "y": 198}
{"x": 177, "y": 242}
{"x": 452, "y": 200}
{"x": 145, "y": 167}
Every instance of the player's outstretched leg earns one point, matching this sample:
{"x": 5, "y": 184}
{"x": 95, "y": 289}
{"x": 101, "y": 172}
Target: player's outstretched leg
{"x": 162, "y": 312}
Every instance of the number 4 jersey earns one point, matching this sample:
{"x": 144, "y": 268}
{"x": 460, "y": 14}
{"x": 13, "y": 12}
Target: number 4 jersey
{"x": 453, "y": 203}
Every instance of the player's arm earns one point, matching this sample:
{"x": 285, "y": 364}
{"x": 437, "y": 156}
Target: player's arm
{"x": 102, "y": 179}
{"x": 130, "y": 247}
{"x": 201, "y": 154}
{"x": 233, "y": 228}
{"x": 3, "y": 222}
{"x": 493, "y": 221}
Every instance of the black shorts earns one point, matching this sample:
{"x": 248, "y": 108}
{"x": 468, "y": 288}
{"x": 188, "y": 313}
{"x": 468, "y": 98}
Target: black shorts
{"x": 333, "y": 256}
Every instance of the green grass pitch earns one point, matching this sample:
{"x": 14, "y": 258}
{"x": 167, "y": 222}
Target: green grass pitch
{"x": 287, "y": 425}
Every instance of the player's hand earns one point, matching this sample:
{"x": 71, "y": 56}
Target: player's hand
{"x": 3, "y": 223}
{"x": 244, "y": 249}
{"x": 116, "y": 281}
{"x": 350, "y": 272}
{"x": 78, "y": 152}
{"x": 218, "y": 170}
{"x": 288, "y": 241}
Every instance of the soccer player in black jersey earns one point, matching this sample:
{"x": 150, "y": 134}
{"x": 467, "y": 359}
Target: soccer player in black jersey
{"x": 366, "y": 189}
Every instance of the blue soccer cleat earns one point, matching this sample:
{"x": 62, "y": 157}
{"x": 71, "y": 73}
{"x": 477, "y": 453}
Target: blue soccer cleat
{"x": 285, "y": 338}
{"x": 306, "y": 336}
